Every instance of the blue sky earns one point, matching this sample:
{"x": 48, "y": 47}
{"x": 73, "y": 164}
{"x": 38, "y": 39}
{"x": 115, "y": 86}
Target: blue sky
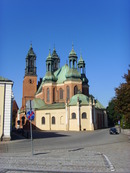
{"x": 99, "y": 30}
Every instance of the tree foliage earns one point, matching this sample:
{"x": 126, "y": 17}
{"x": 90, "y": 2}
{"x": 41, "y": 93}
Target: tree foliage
{"x": 113, "y": 115}
{"x": 122, "y": 99}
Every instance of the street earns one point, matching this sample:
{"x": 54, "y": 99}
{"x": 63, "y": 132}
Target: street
{"x": 96, "y": 151}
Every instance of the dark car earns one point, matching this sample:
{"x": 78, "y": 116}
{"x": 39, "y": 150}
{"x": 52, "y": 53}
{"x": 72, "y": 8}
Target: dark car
{"x": 113, "y": 130}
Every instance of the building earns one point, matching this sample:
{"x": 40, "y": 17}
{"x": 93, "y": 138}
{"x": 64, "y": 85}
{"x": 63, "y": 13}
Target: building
{"x": 6, "y": 98}
{"x": 62, "y": 100}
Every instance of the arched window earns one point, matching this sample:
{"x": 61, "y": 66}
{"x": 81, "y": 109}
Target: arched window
{"x": 53, "y": 120}
{"x": 73, "y": 115}
{"x": 68, "y": 92}
{"x": 84, "y": 115}
{"x": 61, "y": 93}
{"x": 43, "y": 120}
{"x": 48, "y": 95}
{"x": 75, "y": 90}
{"x": 74, "y": 64}
{"x": 49, "y": 67}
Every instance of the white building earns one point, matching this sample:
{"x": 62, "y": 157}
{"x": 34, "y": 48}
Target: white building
{"x": 6, "y": 98}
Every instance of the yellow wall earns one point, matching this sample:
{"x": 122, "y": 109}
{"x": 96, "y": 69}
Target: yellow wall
{"x": 84, "y": 124}
{"x": 60, "y": 119}
{"x": 1, "y": 109}
{"x": 67, "y": 123}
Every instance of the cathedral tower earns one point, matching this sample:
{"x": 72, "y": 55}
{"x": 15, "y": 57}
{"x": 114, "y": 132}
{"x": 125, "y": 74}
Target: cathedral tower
{"x": 81, "y": 67}
{"x": 30, "y": 78}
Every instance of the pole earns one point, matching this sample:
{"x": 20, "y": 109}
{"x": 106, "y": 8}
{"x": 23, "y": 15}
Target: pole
{"x": 31, "y": 137}
{"x": 31, "y": 131}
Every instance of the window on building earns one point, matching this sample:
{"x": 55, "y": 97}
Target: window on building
{"x": 61, "y": 93}
{"x": 49, "y": 67}
{"x": 84, "y": 115}
{"x": 68, "y": 92}
{"x": 43, "y": 120}
{"x": 73, "y": 115}
{"x": 75, "y": 90}
{"x": 53, "y": 120}
{"x": 48, "y": 95}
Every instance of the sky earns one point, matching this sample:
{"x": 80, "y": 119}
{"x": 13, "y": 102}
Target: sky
{"x": 99, "y": 30}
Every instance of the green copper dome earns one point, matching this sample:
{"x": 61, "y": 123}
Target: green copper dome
{"x": 49, "y": 77}
{"x": 49, "y": 56}
{"x": 72, "y": 53}
{"x": 83, "y": 100}
{"x": 81, "y": 60}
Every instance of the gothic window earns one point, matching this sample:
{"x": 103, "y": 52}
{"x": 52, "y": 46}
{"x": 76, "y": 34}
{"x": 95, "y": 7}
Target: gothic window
{"x": 43, "y": 120}
{"x": 73, "y": 115}
{"x": 53, "y": 120}
{"x": 48, "y": 95}
{"x": 75, "y": 90}
{"x": 49, "y": 67}
{"x": 84, "y": 115}
{"x": 61, "y": 93}
{"x": 31, "y": 63}
{"x": 68, "y": 92}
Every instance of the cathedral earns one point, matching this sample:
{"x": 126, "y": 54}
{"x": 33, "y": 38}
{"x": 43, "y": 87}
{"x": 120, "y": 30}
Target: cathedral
{"x": 61, "y": 100}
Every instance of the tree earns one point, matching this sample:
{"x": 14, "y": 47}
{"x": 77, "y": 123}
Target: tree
{"x": 122, "y": 99}
{"x": 113, "y": 115}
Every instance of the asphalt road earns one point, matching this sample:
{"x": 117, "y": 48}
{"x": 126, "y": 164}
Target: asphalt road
{"x": 72, "y": 147}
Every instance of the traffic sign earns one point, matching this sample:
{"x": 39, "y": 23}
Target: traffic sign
{"x": 30, "y": 115}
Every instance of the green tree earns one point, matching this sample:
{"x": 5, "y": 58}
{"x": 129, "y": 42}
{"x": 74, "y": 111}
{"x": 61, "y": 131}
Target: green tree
{"x": 122, "y": 100}
{"x": 113, "y": 115}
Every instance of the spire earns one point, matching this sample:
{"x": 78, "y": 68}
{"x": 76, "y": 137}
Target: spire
{"x": 72, "y": 53}
{"x": 72, "y": 58}
{"x": 81, "y": 60}
{"x": 81, "y": 63}
{"x": 30, "y": 62}
{"x": 49, "y": 56}
{"x": 56, "y": 59}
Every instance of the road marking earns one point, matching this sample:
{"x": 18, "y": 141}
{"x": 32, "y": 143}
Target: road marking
{"x": 110, "y": 165}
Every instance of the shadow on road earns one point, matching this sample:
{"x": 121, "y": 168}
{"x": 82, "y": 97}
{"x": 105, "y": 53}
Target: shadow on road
{"x": 36, "y": 135}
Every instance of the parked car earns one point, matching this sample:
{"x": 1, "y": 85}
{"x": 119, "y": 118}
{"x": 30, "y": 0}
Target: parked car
{"x": 113, "y": 130}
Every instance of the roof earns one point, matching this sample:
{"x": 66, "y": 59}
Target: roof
{"x": 40, "y": 105}
{"x": 72, "y": 53}
{"x": 49, "y": 77}
{"x": 81, "y": 59}
{"x": 83, "y": 99}
{"x": 31, "y": 52}
{"x": 54, "y": 54}
{"x": 81, "y": 62}
{"x": 61, "y": 73}
{"x": 60, "y": 76}
{"x": 2, "y": 79}
{"x": 98, "y": 105}
{"x": 49, "y": 56}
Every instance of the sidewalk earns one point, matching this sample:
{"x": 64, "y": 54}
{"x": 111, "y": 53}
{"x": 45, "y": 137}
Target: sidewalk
{"x": 77, "y": 160}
